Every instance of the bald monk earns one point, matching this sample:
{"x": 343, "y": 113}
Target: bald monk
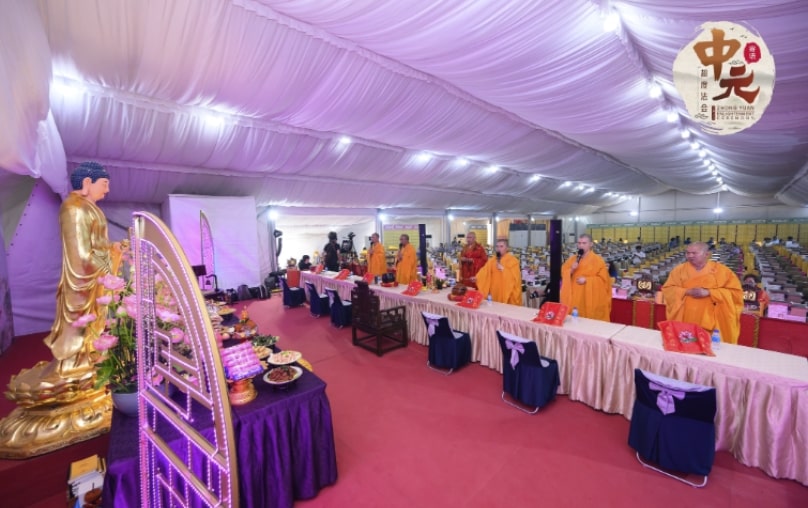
{"x": 501, "y": 276}
{"x": 585, "y": 282}
{"x": 406, "y": 261}
{"x": 472, "y": 259}
{"x": 377, "y": 262}
{"x": 705, "y": 293}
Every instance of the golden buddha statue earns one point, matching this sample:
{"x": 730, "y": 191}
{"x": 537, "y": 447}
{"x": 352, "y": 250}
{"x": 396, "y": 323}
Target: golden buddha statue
{"x": 57, "y": 401}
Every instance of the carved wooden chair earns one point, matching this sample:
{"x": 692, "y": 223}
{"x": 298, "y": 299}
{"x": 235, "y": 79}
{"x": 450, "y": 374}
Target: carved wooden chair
{"x": 375, "y": 329}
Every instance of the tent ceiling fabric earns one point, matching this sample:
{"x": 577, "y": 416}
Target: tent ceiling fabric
{"x": 256, "y": 95}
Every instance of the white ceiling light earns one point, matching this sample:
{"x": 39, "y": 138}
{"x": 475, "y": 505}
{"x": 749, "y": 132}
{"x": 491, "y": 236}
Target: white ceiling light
{"x": 715, "y": 172}
{"x": 633, "y": 213}
{"x": 672, "y": 116}
{"x": 694, "y": 145}
{"x": 655, "y": 91}
{"x": 702, "y": 153}
{"x": 607, "y": 194}
{"x": 612, "y": 22}
{"x": 382, "y": 217}
{"x": 590, "y": 189}
{"x": 462, "y": 162}
{"x": 718, "y": 210}
{"x": 345, "y": 140}
{"x": 450, "y": 217}
{"x": 493, "y": 168}
{"x": 706, "y": 162}
{"x": 535, "y": 178}
{"x": 67, "y": 90}
{"x": 685, "y": 134}
{"x": 579, "y": 187}
{"x": 273, "y": 215}
{"x": 566, "y": 184}
{"x": 423, "y": 157}
{"x": 213, "y": 120}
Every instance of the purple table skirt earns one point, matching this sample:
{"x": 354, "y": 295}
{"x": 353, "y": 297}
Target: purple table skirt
{"x": 284, "y": 441}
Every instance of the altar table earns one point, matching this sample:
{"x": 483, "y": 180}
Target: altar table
{"x": 284, "y": 441}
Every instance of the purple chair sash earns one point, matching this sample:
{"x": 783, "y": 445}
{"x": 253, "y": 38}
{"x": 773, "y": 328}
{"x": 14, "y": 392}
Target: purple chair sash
{"x": 515, "y": 348}
{"x": 664, "y": 400}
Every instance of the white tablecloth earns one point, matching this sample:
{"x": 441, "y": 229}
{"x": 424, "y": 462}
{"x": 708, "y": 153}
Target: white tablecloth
{"x": 762, "y": 416}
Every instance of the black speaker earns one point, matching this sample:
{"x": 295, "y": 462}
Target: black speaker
{"x": 555, "y": 237}
{"x": 422, "y": 237}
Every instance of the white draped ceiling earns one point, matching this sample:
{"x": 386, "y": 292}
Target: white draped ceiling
{"x": 497, "y": 106}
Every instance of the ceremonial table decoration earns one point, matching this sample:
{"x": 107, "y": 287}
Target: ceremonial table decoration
{"x": 552, "y": 313}
{"x": 685, "y": 338}
{"x": 413, "y": 288}
{"x": 471, "y": 299}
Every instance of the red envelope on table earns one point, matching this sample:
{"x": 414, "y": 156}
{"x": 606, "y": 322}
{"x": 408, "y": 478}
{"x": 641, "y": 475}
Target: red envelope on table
{"x": 552, "y": 313}
{"x": 368, "y": 277}
{"x": 343, "y": 274}
{"x": 318, "y": 269}
{"x": 413, "y": 288}
{"x": 685, "y": 338}
{"x": 471, "y": 299}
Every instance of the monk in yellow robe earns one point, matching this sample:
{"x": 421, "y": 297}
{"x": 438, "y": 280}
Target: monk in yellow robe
{"x": 377, "y": 262}
{"x": 705, "y": 293}
{"x": 585, "y": 283}
{"x": 406, "y": 261}
{"x": 472, "y": 259}
{"x": 501, "y": 277}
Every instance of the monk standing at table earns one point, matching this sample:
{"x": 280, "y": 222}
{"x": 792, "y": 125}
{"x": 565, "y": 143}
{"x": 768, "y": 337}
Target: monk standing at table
{"x": 585, "y": 282}
{"x": 472, "y": 259}
{"x": 705, "y": 293}
{"x": 377, "y": 262}
{"x": 501, "y": 277}
{"x": 406, "y": 261}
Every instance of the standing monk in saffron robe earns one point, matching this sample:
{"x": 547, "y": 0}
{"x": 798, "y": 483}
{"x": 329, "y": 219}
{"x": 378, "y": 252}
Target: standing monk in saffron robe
{"x": 501, "y": 277}
{"x": 585, "y": 283}
{"x": 406, "y": 261}
{"x": 377, "y": 262}
{"x": 472, "y": 259}
{"x": 705, "y": 293}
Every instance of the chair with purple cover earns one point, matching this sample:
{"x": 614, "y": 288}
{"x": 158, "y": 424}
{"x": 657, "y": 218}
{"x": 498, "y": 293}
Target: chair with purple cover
{"x": 448, "y": 348}
{"x": 527, "y": 376}
{"x": 340, "y": 309}
{"x": 292, "y": 296}
{"x": 317, "y": 303}
{"x": 673, "y": 426}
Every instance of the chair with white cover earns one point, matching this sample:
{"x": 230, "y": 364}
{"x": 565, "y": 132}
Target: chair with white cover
{"x": 318, "y": 303}
{"x": 340, "y": 309}
{"x": 528, "y": 377}
{"x": 673, "y": 426}
{"x": 292, "y": 296}
{"x": 448, "y": 348}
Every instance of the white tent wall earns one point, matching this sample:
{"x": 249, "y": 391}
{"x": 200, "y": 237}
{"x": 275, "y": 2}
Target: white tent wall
{"x": 305, "y": 230}
{"x": 14, "y": 193}
{"x": 234, "y": 229}
{"x": 34, "y": 262}
{"x": 680, "y": 206}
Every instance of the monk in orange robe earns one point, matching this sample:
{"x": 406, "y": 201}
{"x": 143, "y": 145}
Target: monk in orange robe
{"x": 472, "y": 258}
{"x": 705, "y": 293}
{"x": 501, "y": 277}
{"x": 763, "y": 298}
{"x": 406, "y": 261}
{"x": 585, "y": 282}
{"x": 377, "y": 262}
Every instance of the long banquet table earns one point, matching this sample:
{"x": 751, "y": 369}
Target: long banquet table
{"x": 762, "y": 416}
{"x": 284, "y": 442}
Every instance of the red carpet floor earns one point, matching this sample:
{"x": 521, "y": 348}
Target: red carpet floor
{"x": 407, "y": 436}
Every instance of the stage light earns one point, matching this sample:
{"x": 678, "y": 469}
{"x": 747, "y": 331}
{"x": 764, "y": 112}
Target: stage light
{"x": 612, "y": 22}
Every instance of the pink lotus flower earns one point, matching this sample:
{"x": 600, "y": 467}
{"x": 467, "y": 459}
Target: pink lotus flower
{"x": 105, "y": 342}
{"x": 104, "y": 300}
{"x": 177, "y": 335}
{"x": 112, "y": 282}
{"x": 83, "y": 321}
{"x": 166, "y": 315}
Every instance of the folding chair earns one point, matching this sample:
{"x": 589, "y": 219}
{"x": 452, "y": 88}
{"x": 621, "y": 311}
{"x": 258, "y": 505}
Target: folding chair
{"x": 318, "y": 303}
{"x": 340, "y": 309}
{"x": 527, "y": 376}
{"x": 292, "y": 296}
{"x": 673, "y": 426}
{"x": 448, "y": 348}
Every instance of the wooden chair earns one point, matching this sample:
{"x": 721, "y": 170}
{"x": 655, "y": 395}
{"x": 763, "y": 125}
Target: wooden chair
{"x": 384, "y": 329}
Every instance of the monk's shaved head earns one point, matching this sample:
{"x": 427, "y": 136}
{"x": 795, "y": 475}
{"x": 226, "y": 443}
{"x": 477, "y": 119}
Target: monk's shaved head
{"x": 697, "y": 254}
{"x": 699, "y": 245}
